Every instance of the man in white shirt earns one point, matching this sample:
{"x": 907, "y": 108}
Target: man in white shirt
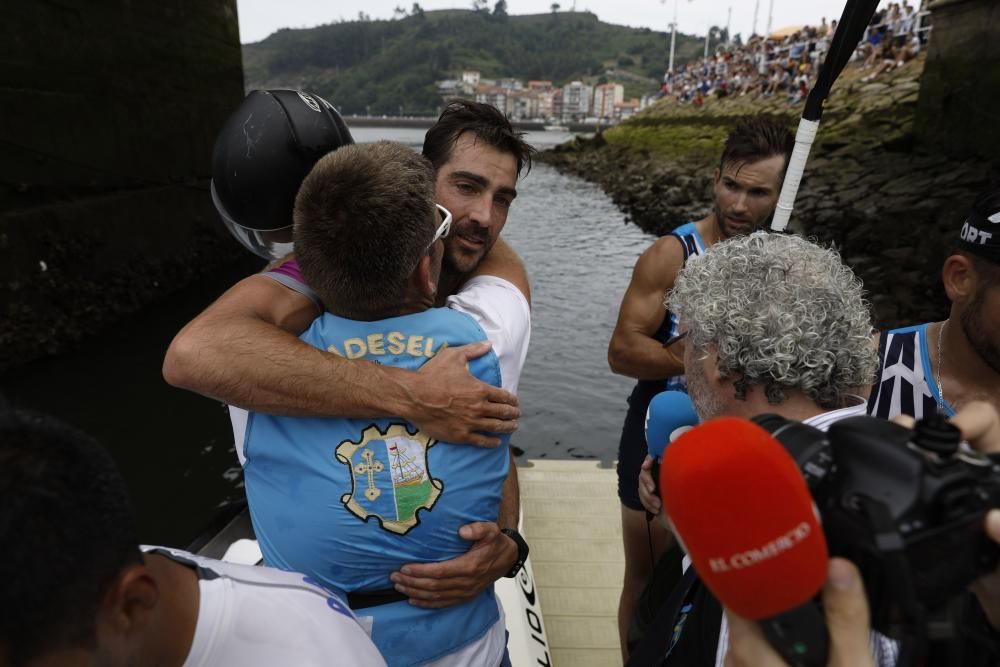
{"x": 79, "y": 591}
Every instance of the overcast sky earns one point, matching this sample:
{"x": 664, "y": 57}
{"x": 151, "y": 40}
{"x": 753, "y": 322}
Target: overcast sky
{"x": 259, "y": 18}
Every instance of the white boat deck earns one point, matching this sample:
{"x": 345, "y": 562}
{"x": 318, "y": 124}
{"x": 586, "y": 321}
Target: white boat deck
{"x": 572, "y": 520}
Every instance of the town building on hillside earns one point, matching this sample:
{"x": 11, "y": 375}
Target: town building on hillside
{"x": 510, "y": 84}
{"x": 606, "y": 96}
{"x": 497, "y": 97}
{"x": 576, "y": 100}
{"x": 626, "y": 109}
{"x": 471, "y": 77}
{"x": 525, "y": 105}
{"x": 449, "y": 88}
{"x": 557, "y": 104}
{"x": 539, "y": 85}
{"x": 546, "y": 102}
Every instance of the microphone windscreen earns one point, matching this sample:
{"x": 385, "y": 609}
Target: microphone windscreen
{"x": 670, "y": 413}
{"x": 743, "y": 513}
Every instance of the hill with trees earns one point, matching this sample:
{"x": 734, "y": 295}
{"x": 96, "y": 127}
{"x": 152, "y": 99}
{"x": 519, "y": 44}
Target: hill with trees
{"x": 389, "y": 67}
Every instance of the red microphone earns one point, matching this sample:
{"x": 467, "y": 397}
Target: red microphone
{"x": 742, "y": 511}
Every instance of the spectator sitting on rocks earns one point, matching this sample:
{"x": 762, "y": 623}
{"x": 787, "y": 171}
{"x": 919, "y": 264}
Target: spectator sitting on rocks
{"x": 763, "y": 67}
{"x": 871, "y": 49}
{"x": 800, "y": 92}
{"x": 895, "y": 56}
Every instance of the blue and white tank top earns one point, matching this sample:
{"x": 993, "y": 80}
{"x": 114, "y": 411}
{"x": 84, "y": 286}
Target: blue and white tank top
{"x": 693, "y": 246}
{"x": 905, "y": 384}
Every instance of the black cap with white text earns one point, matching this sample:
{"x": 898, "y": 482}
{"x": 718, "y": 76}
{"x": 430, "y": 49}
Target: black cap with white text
{"x": 980, "y": 232}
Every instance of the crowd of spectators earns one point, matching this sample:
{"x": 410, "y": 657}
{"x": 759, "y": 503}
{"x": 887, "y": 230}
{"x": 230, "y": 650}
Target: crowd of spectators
{"x": 787, "y": 65}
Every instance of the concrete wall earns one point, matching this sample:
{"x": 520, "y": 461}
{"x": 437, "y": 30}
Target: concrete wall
{"x": 108, "y": 111}
{"x": 960, "y": 89}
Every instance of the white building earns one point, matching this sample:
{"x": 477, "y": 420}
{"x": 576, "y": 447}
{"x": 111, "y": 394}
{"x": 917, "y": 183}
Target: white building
{"x": 606, "y": 96}
{"x": 546, "y": 102}
{"x": 471, "y": 77}
{"x": 510, "y": 84}
{"x": 627, "y": 109}
{"x": 497, "y": 97}
{"x": 525, "y": 105}
{"x": 576, "y": 99}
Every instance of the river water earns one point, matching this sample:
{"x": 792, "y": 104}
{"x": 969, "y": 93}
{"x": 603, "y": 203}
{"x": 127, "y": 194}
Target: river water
{"x": 175, "y": 448}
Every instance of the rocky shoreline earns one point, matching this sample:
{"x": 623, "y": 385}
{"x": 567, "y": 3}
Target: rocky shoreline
{"x": 891, "y": 208}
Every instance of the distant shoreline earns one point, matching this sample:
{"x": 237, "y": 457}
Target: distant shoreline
{"x": 425, "y": 122}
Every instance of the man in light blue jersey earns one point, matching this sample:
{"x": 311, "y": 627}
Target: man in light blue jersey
{"x": 350, "y": 501}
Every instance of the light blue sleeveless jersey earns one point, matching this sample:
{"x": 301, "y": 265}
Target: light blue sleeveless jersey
{"x": 348, "y": 501}
{"x": 693, "y": 246}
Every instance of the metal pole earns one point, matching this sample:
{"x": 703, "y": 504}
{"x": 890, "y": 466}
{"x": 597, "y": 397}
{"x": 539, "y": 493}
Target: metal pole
{"x": 756, "y": 7}
{"x": 707, "y": 35}
{"x": 673, "y": 38}
{"x": 770, "y": 12}
{"x": 729, "y": 20}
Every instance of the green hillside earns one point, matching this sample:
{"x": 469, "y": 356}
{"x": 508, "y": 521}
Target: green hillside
{"x": 390, "y": 66}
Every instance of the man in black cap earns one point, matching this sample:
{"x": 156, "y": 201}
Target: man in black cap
{"x": 945, "y": 365}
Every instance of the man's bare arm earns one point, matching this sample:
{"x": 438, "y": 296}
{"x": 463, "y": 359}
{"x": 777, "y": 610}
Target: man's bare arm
{"x": 633, "y": 351}
{"x": 510, "y": 501}
{"x": 243, "y": 350}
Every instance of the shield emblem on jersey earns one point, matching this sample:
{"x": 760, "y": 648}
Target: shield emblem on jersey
{"x": 390, "y": 479}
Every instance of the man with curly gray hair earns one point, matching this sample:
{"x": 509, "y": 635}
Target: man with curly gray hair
{"x": 773, "y": 324}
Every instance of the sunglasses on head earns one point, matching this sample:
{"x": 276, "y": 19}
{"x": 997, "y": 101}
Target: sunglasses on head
{"x": 444, "y": 228}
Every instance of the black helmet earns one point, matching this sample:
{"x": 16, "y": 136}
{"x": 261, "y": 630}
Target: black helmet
{"x": 262, "y": 154}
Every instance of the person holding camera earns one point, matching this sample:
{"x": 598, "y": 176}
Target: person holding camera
{"x": 844, "y": 603}
{"x": 773, "y": 324}
{"x": 944, "y": 365}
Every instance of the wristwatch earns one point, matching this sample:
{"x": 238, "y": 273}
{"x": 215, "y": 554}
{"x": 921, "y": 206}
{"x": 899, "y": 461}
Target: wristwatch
{"x": 522, "y": 551}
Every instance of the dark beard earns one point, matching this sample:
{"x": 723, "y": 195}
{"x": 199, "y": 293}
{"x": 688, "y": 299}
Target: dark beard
{"x": 975, "y": 332}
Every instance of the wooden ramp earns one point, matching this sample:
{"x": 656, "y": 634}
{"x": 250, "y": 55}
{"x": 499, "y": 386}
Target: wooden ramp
{"x": 572, "y": 521}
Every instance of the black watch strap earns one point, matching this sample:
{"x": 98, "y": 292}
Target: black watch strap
{"x": 522, "y": 551}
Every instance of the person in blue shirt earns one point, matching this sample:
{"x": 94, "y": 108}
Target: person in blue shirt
{"x": 351, "y": 501}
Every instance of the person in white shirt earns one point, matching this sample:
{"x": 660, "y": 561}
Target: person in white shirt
{"x": 78, "y": 590}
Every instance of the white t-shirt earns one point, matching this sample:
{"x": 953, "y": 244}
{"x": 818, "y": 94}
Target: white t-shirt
{"x": 261, "y": 617}
{"x": 503, "y": 312}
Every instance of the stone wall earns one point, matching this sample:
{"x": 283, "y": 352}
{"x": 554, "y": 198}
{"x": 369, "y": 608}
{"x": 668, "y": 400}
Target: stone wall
{"x": 890, "y": 206}
{"x": 107, "y": 118}
{"x": 959, "y": 105}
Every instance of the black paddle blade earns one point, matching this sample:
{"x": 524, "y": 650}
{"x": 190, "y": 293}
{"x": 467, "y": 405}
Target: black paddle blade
{"x": 857, "y": 14}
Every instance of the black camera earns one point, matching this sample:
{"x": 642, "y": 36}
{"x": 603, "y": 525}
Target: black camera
{"x": 906, "y": 506}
